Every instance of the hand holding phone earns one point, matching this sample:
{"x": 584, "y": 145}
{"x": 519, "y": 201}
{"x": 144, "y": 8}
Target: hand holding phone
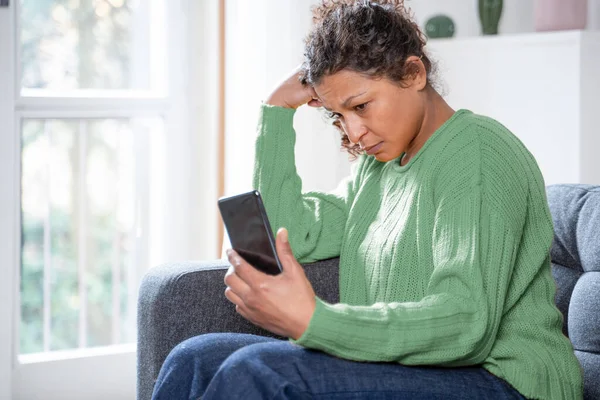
{"x": 287, "y": 301}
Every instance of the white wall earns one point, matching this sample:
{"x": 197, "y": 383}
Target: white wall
{"x": 265, "y": 41}
{"x": 264, "y": 44}
{"x": 553, "y": 117}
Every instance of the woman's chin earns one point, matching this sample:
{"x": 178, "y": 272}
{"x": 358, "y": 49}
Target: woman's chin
{"x": 382, "y": 156}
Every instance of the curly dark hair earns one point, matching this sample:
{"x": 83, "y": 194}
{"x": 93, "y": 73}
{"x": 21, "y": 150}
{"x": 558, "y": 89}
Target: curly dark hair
{"x": 373, "y": 38}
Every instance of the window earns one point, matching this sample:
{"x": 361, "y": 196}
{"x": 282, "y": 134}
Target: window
{"x": 89, "y": 93}
{"x": 108, "y": 167}
{"x": 82, "y": 181}
{"x": 84, "y": 172}
{"x": 67, "y": 45}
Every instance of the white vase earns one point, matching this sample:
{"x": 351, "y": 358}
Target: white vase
{"x": 559, "y": 15}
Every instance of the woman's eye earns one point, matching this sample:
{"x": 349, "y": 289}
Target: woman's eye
{"x": 361, "y": 107}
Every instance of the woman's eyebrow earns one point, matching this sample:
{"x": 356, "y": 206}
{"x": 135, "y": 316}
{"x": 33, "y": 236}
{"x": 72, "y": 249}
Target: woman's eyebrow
{"x": 347, "y": 101}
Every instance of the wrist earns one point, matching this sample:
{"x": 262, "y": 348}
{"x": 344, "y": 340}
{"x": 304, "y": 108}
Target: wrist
{"x": 305, "y": 321}
{"x": 274, "y": 101}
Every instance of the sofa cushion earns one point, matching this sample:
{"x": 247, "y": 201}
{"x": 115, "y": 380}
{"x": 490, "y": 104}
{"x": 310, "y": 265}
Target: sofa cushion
{"x": 576, "y": 268}
{"x": 576, "y": 216}
{"x": 566, "y": 278}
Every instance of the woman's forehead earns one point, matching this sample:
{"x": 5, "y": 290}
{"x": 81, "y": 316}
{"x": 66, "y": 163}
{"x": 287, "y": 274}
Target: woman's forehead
{"x": 343, "y": 84}
{"x": 341, "y": 81}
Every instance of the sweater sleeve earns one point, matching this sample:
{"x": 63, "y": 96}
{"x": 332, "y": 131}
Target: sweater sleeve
{"x": 315, "y": 220}
{"x": 456, "y": 322}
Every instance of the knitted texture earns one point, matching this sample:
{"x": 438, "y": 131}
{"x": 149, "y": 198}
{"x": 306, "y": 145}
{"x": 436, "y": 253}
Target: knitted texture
{"x": 443, "y": 261}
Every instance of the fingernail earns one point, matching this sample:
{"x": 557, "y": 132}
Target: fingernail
{"x": 284, "y": 235}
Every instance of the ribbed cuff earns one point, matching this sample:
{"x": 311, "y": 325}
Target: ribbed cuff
{"x": 275, "y": 117}
{"x": 316, "y": 334}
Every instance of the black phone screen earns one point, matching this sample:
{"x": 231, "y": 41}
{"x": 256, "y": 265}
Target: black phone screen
{"x": 249, "y": 231}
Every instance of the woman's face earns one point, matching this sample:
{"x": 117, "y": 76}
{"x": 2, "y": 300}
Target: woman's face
{"x": 380, "y": 116}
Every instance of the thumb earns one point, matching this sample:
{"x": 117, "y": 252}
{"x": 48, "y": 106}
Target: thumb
{"x": 284, "y": 250}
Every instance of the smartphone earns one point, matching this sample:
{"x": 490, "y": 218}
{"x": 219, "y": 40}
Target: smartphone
{"x": 249, "y": 231}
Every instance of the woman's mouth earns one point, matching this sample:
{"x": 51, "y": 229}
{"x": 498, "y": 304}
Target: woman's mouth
{"x": 374, "y": 149}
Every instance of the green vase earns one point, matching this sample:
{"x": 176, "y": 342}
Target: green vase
{"x": 440, "y": 26}
{"x": 490, "y": 12}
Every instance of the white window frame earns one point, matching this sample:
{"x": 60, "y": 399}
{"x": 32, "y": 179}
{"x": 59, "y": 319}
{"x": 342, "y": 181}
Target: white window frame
{"x": 8, "y": 204}
{"x": 188, "y": 110}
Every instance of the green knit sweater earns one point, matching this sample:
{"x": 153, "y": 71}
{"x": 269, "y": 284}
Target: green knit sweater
{"x": 444, "y": 261}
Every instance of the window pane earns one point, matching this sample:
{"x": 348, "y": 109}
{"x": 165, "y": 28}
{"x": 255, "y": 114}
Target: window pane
{"x": 81, "y": 185}
{"x": 85, "y": 44}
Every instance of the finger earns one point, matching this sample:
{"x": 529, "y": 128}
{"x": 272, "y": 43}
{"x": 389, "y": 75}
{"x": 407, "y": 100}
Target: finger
{"x": 314, "y": 95}
{"x": 232, "y": 297}
{"x": 247, "y": 273}
{"x": 284, "y": 250}
{"x": 240, "y": 307}
{"x": 315, "y": 103}
{"x": 229, "y": 275}
{"x": 283, "y": 244}
{"x": 236, "y": 284}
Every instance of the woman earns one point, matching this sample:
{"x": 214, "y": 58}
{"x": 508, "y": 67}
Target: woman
{"x": 443, "y": 233}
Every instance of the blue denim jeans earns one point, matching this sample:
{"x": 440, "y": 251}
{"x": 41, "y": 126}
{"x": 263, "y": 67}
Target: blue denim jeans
{"x": 241, "y": 366}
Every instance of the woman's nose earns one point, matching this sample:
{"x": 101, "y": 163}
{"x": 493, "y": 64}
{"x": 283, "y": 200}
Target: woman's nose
{"x": 355, "y": 130}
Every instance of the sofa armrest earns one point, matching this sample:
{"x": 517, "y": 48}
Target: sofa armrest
{"x": 181, "y": 300}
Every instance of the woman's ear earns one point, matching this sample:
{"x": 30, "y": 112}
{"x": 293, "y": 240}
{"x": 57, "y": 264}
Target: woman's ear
{"x": 417, "y": 74}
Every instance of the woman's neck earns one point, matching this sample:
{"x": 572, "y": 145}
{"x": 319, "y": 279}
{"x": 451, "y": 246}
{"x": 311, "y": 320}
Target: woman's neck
{"x": 436, "y": 113}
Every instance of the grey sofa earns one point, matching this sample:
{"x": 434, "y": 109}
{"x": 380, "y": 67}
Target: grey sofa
{"x": 181, "y": 300}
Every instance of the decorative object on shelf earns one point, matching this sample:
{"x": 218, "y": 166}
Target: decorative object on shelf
{"x": 490, "y": 12}
{"x": 560, "y": 15}
{"x": 439, "y": 26}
